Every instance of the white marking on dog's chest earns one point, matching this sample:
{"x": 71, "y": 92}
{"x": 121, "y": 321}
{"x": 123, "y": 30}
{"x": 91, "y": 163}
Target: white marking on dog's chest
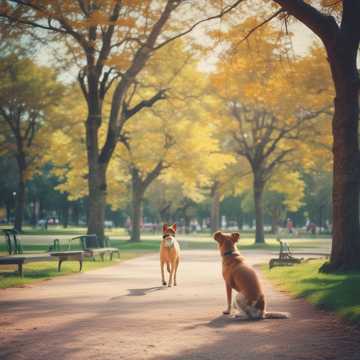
{"x": 169, "y": 242}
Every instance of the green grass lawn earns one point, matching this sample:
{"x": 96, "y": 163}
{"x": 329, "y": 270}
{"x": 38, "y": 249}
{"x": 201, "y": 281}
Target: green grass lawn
{"x": 335, "y": 292}
{"x": 46, "y": 270}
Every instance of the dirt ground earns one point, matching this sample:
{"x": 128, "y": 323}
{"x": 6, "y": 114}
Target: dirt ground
{"x": 122, "y": 312}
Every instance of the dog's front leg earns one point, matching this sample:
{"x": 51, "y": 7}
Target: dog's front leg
{"x": 162, "y": 273}
{"x": 172, "y": 269}
{"x": 228, "y": 298}
{"x": 176, "y": 267}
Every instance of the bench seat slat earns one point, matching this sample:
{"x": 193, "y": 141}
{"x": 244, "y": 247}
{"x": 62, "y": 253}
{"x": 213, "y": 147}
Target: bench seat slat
{"x": 24, "y": 258}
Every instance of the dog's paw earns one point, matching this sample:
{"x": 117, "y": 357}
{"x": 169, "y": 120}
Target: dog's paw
{"x": 226, "y": 312}
{"x": 240, "y": 317}
{"x": 164, "y": 283}
{"x": 169, "y": 285}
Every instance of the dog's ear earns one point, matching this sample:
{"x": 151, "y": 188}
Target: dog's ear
{"x": 218, "y": 236}
{"x": 235, "y": 237}
{"x": 165, "y": 228}
{"x": 174, "y": 227}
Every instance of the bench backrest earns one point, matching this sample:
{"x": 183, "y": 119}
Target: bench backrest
{"x": 284, "y": 247}
{"x": 12, "y": 242}
{"x": 89, "y": 241}
{"x": 55, "y": 246}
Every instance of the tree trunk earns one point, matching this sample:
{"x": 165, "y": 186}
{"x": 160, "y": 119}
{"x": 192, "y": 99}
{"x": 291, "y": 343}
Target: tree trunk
{"x": 275, "y": 215}
{"x": 20, "y": 194}
{"x": 215, "y": 209}
{"x": 97, "y": 202}
{"x": 34, "y": 214}
{"x": 165, "y": 214}
{"x": 20, "y": 203}
{"x": 136, "y": 214}
{"x": 259, "y": 211}
{"x": 187, "y": 221}
{"x": 76, "y": 214}
{"x": 240, "y": 221}
{"x": 65, "y": 212}
{"x": 345, "y": 253}
{"x": 8, "y": 211}
{"x": 97, "y": 170}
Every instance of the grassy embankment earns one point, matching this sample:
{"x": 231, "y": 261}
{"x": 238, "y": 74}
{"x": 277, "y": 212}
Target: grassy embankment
{"x": 334, "y": 292}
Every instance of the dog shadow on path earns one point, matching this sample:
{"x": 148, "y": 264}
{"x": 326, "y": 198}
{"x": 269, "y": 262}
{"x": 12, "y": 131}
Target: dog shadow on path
{"x": 220, "y": 322}
{"x": 145, "y": 291}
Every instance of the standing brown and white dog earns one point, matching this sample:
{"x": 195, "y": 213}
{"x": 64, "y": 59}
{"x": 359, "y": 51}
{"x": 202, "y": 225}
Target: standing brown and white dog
{"x": 241, "y": 277}
{"x": 169, "y": 253}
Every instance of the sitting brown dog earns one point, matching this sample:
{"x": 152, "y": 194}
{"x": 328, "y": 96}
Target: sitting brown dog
{"x": 169, "y": 253}
{"x": 241, "y": 277}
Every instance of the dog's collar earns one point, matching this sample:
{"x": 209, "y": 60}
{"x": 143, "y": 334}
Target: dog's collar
{"x": 166, "y": 235}
{"x": 231, "y": 252}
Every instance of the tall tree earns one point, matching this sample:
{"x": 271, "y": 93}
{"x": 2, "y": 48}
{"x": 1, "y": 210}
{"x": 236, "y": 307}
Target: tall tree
{"x": 268, "y": 124}
{"x": 284, "y": 192}
{"x": 28, "y": 94}
{"x": 339, "y": 31}
{"x": 165, "y": 141}
{"x": 112, "y": 42}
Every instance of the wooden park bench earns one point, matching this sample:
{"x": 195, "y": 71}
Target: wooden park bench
{"x": 22, "y": 259}
{"x": 18, "y": 257}
{"x": 93, "y": 247}
{"x": 285, "y": 258}
{"x": 68, "y": 255}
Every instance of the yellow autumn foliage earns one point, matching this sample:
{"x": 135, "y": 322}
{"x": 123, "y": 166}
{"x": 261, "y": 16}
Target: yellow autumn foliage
{"x": 260, "y": 79}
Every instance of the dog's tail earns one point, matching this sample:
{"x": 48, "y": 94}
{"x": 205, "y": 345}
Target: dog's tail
{"x": 276, "y": 315}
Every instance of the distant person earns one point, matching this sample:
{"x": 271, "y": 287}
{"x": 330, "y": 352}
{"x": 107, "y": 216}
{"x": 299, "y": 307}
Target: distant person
{"x": 290, "y": 226}
{"x": 312, "y": 228}
{"x": 128, "y": 224}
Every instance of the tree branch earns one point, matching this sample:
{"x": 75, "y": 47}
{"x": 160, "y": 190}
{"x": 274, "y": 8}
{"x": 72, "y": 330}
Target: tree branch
{"x": 273, "y": 16}
{"x": 31, "y": 23}
{"x": 226, "y": 10}
{"x": 154, "y": 173}
{"x": 324, "y": 26}
{"x": 107, "y": 36}
{"x": 160, "y": 95}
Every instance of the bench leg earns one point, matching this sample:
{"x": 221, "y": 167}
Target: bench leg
{"x": 102, "y": 257}
{"x": 59, "y": 265}
{"x": 111, "y": 256}
{"x": 81, "y": 263}
{"x": 270, "y": 264}
{"x": 20, "y": 269}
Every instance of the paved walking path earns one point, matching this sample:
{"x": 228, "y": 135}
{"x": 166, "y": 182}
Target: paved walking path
{"x": 121, "y": 312}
